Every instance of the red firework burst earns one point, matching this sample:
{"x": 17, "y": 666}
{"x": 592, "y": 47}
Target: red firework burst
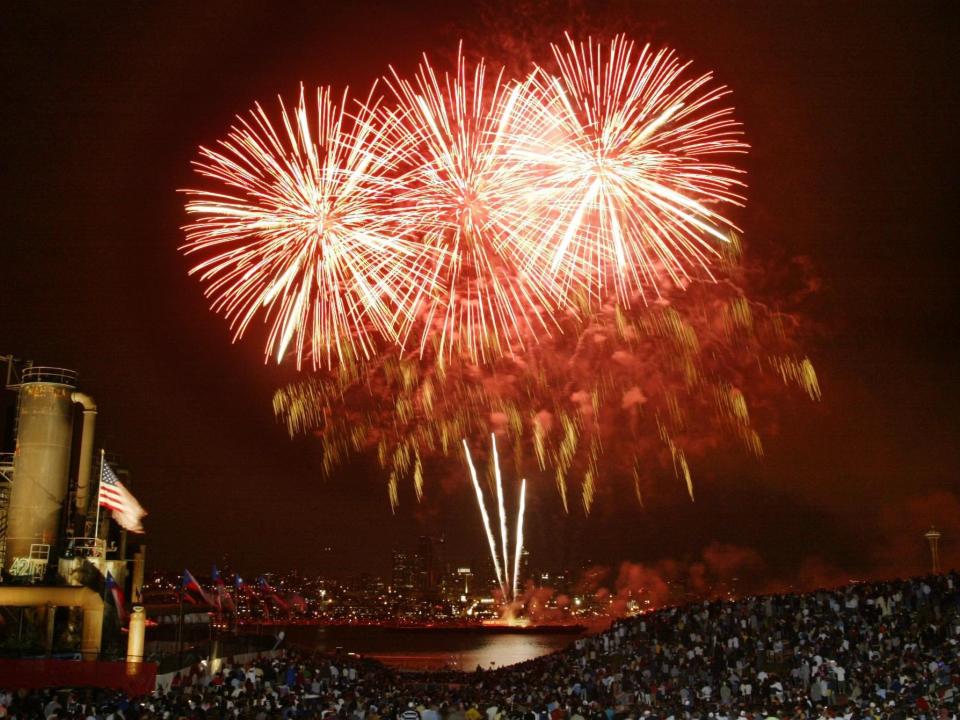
{"x": 620, "y": 151}
{"x": 462, "y": 197}
{"x": 300, "y": 232}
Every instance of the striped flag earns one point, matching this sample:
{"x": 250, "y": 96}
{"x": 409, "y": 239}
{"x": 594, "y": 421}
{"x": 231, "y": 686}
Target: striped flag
{"x": 224, "y": 601}
{"x": 113, "y": 495}
{"x": 192, "y": 590}
{"x": 115, "y": 593}
{"x": 272, "y": 594}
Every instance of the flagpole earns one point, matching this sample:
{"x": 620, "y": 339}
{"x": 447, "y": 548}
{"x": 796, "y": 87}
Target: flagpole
{"x": 180, "y": 624}
{"x": 106, "y": 586}
{"x": 96, "y": 526}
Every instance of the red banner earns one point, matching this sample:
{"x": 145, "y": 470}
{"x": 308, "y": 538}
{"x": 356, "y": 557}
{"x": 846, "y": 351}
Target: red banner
{"x": 140, "y": 679}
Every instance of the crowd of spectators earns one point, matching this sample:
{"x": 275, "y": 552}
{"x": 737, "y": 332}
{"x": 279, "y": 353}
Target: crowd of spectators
{"x": 880, "y": 651}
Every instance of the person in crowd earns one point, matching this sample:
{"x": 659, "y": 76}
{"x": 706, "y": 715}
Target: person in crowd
{"x": 878, "y": 651}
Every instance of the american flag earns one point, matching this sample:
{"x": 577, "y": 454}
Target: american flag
{"x": 113, "y": 495}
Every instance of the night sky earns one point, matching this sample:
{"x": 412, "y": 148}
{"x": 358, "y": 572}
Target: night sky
{"x": 850, "y": 109}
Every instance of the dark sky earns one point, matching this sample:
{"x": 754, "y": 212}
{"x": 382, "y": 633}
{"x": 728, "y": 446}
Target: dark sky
{"x": 850, "y": 108}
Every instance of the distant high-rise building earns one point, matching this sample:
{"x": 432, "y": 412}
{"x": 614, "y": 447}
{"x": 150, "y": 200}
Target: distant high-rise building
{"x": 431, "y": 567}
{"x": 524, "y": 567}
{"x": 404, "y": 576}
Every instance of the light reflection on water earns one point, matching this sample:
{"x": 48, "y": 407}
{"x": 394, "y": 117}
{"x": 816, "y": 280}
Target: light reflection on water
{"x": 420, "y": 649}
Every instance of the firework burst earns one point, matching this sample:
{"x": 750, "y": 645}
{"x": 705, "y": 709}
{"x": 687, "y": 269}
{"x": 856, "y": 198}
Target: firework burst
{"x": 462, "y": 199}
{"x": 298, "y": 230}
{"x": 469, "y": 260}
{"x": 619, "y": 148}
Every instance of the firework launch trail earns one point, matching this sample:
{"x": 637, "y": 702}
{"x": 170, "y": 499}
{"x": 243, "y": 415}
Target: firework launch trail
{"x": 509, "y": 585}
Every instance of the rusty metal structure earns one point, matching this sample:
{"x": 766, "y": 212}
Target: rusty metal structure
{"x": 48, "y": 504}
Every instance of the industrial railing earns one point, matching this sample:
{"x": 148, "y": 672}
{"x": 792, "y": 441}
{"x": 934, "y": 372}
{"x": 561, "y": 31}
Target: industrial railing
{"x": 4, "y": 504}
{"x": 86, "y": 547}
{"x": 39, "y": 373}
{"x": 33, "y": 566}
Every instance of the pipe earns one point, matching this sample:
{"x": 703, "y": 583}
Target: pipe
{"x": 82, "y": 597}
{"x": 122, "y": 553}
{"x": 92, "y": 632}
{"x": 135, "y": 639}
{"x": 51, "y": 626}
{"x": 136, "y": 584}
{"x": 86, "y": 454}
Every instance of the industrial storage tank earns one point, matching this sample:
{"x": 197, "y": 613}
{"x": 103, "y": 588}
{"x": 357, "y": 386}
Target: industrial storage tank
{"x": 41, "y": 463}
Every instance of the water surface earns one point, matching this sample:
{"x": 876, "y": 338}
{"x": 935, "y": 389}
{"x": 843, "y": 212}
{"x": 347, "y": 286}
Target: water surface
{"x": 434, "y": 648}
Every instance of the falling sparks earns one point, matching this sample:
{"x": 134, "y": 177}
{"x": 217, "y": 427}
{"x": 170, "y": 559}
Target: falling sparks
{"x": 393, "y": 491}
{"x": 418, "y": 477}
{"x": 799, "y": 372}
{"x": 639, "y": 380}
{"x": 680, "y": 466}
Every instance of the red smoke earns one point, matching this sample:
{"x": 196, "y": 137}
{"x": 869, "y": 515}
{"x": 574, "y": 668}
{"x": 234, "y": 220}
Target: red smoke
{"x": 730, "y": 571}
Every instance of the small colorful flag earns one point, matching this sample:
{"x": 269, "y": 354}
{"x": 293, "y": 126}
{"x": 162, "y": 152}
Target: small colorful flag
{"x": 192, "y": 590}
{"x": 115, "y": 593}
{"x": 224, "y": 601}
{"x": 272, "y": 594}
